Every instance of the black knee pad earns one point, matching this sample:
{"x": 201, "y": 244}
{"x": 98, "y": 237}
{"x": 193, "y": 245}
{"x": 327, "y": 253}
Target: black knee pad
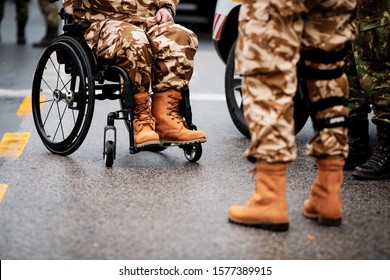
{"x": 309, "y": 73}
{"x": 322, "y": 57}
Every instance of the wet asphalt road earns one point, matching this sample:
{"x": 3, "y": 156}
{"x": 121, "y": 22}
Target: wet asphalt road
{"x": 158, "y": 205}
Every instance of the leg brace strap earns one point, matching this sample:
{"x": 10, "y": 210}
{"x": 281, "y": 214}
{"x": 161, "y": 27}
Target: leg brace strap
{"x": 308, "y": 73}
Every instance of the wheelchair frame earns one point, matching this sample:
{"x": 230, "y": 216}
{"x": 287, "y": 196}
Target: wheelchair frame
{"x": 63, "y": 120}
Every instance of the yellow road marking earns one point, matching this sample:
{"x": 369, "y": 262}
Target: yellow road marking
{"x": 25, "y": 107}
{"x": 3, "y": 189}
{"x": 12, "y": 144}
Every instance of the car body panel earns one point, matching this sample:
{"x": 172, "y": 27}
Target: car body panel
{"x": 225, "y": 27}
{"x": 221, "y": 13}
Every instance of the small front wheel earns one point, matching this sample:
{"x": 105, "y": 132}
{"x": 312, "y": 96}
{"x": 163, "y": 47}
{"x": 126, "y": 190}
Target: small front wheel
{"x": 109, "y": 153}
{"x": 193, "y": 152}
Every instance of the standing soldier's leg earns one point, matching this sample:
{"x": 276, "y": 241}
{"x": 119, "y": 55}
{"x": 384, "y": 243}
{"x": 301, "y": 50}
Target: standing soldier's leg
{"x": 327, "y": 88}
{"x": 373, "y": 64}
{"x": 21, "y": 20}
{"x": 359, "y": 107}
{"x": 172, "y": 71}
{"x": 267, "y": 54}
{"x": 51, "y": 17}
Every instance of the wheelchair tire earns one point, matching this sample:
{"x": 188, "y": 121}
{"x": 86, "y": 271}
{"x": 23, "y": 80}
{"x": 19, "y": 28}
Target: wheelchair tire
{"x": 234, "y": 99}
{"x": 63, "y": 95}
{"x": 193, "y": 152}
{"x": 109, "y": 153}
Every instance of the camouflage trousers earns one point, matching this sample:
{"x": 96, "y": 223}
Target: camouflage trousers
{"x": 369, "y": 75}
{"x": 160, "y": 56}
{"x": 358, "y": 102}
{"x": 271, "y": 36}
{"x": 50, "y": 12}
{"x": 21, "y": 9}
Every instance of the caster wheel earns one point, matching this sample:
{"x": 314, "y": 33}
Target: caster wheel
{"x": 193, "y": 152}
{"x": 109, "y": 153}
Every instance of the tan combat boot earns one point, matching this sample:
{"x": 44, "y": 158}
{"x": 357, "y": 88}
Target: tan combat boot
{"x": 267, "y": 207}
{"x": 324, "y": 204}
{"x": 144, "y": 123}
{"x": 170, "y": 126}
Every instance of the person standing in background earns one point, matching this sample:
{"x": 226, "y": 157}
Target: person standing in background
{"x": 372, "y": 56}
{"x": 21, "y": 9}
{"x": 359, "y": 108}
{"x": 50, "y": 14}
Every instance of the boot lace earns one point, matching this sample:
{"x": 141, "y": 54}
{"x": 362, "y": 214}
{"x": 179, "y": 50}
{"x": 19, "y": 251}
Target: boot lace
{"x": 379, "y": 156}
{"x": 142, "y": 113}
{"x": 173, "y": 109}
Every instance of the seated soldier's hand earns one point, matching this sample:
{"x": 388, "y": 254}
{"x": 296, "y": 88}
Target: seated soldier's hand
{"x": 163, "y": 15}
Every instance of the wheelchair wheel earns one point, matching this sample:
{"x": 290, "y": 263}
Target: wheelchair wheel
{"x": 193, "y": 152}
{"x": 235, "y": 105}
{"x": 109, "y": 153}
{"x": 63, "y": 96}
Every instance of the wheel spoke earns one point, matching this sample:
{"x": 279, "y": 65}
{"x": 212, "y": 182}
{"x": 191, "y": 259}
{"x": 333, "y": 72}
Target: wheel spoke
{"x": 64, "y": 86}
{"x": 58, "y": 71}
{"x": 61, "y": 117}
{"x": 237, "y": 80}
{"x": 48, "y": 113}
{"x": 242, "y": 107}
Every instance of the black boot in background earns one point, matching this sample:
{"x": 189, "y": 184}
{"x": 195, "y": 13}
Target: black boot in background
{"x": 21, "y": 38}
{"x": 359, "y": 143}
{"x": 51, "y": 34}
{"x": 377, "y": 166}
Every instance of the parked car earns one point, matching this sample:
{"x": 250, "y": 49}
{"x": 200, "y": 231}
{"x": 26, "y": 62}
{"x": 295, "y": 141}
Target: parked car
{"x": 224, "y": 36}
{"x": 196, "y": 12}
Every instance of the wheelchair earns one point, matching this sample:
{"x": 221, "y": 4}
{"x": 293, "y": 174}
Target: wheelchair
{"x": 69, "y": 78}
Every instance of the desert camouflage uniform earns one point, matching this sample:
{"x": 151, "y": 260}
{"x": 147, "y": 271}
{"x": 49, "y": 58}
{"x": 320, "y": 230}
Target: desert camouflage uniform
{"x": 372, "y": 55}
{"x": 154, "y": 54}
{"x": 272, "y": 34}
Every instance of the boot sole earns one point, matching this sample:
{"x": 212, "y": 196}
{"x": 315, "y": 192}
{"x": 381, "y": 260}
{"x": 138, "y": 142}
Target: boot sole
{"x": 148, "y": 144}
{"x": 267, "y": 226}
{"x": 323, "y": 221}
{"x": 364, "y": 176}
{"x": 188, "y": 142}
